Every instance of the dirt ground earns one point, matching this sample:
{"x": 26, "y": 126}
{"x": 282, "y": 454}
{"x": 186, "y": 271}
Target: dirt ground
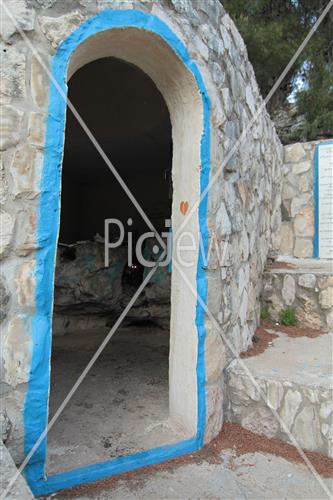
{"x": 237, "y": 465}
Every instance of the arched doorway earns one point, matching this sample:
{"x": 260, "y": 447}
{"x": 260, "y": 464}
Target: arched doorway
{"x": 122, "y": 405}
{"x": 146, "y": 42}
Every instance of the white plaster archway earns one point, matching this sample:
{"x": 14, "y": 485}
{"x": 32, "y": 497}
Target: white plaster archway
{"x": 178, "y": 87}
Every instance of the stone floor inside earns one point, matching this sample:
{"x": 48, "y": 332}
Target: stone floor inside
{"x": 120, "y": 408}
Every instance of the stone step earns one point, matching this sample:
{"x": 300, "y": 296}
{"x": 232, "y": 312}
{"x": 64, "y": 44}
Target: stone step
{"x": 306, "y": 285}
{"x": 293, "y": 376}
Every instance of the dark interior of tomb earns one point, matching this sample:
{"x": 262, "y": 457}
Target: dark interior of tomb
{"x": 123, "y": 402}
{"x": 129, "y": 118}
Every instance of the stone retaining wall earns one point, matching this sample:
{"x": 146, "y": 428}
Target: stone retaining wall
{"x": 297, "y": 229}
{"x": 309, "y": 294}
{"x": 300, "y": 392}
{"x": 306, "y": 411}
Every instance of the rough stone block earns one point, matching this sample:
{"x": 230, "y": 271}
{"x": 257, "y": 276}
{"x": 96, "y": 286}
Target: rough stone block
{"x": 44, "y": 4}
{"x": 261, "y": 421}
{"x": 25, "y": 285}
{"x": 17, "y": 350}
{"x": 26, "y": 171}
{"x": 303, "y": 248}
{"x": 26, "y": 233}
{"x": 243, "y": 310}
{"x": 4, "y": 299}
{"x": 307, "y": 429}
{"x": 304, "y": 223}
{"x": 37, "y": 129}
{"x": 326, "y": 409}
{"x": 214, "y": 410}
{"x": 7, "y": 223}
{"x": 287, "y": 239}
{"x": 288, "y": 290}
{"x": 39, "y": 83}
{"x": 307, "y": 280}
{"x": 214, "y": 354}
{"x": 275, "y": 393}
{"x": 294, "y": 153}
{"x": 12, "y": 73}
{"x": 14, "y": 401}
{"x": 16, "y": 15}
{"x": 3, "y": 184}
{"x": 56, "y": 29}
{"x": 5, "y": 429}
{"x": 299, "y": 203}
{"x": 308, "y": 312}
{"x": 304, "y": 183}
{"x": 10, "y": 126}
{"x": 289, "y": 191}
{"x": 326, "y": 298}
{"x": 291, "y": 404}
{"x": 304, "y": 166}
{"x": 324, "y": 282}
{"x": 223, "y": 224}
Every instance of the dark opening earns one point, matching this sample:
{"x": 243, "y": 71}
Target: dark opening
{"x": 122, "y": 406}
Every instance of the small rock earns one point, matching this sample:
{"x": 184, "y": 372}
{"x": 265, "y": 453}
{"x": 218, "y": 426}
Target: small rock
{"x": 307, "y": 280}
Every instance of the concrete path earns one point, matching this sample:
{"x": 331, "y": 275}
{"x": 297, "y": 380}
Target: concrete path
{"x": 250, "y": 476}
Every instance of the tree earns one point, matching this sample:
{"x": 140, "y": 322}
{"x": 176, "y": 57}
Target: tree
{"x": 273, "y": 31}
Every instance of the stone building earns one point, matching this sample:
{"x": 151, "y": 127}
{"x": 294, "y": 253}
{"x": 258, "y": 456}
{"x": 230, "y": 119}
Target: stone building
{"x": 171, "y": 109}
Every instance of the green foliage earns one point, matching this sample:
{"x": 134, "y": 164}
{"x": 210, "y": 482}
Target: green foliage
{"x": 273, "y": 30}
{"x": 264, "y": 313}
{"x": 288, "y": 317}
{"x": 316, "y": 102}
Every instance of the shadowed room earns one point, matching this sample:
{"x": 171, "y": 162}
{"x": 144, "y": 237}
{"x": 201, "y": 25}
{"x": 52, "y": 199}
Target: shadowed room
{"x": 123, "y": 404}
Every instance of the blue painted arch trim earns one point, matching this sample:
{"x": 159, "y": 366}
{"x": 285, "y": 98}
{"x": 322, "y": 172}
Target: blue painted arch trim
{"x": 36, "y": 404}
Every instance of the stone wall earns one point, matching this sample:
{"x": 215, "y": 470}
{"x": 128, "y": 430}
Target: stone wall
{"x": 297, "y": 229}
{"x": 243, "y": 204}
{"x": 309, "y": 292}
{"x": 301, "y": 397}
